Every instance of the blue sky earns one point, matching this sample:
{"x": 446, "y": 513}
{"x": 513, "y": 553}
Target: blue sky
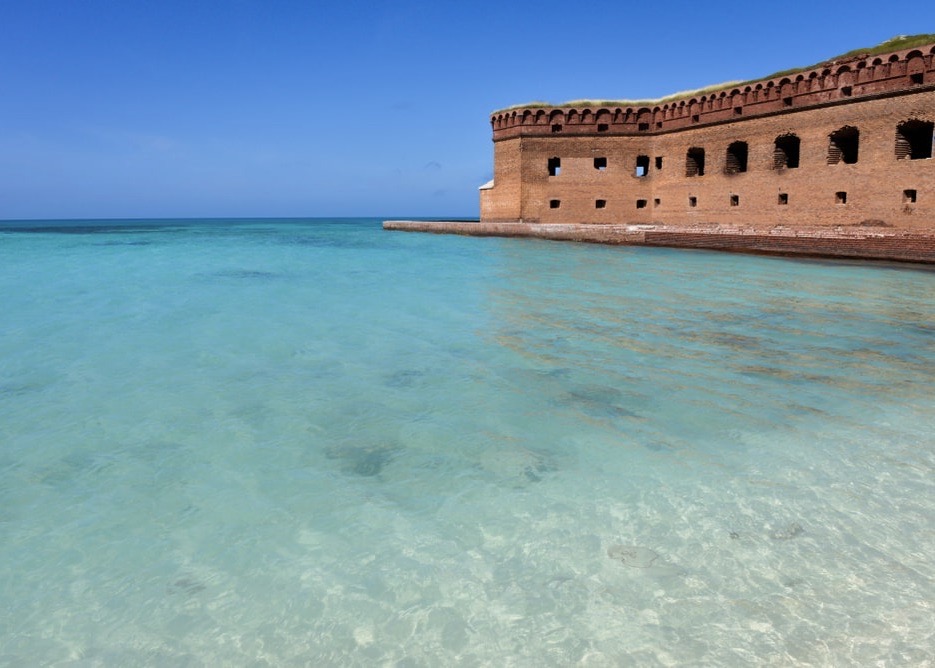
{"x": 165, "y": 108}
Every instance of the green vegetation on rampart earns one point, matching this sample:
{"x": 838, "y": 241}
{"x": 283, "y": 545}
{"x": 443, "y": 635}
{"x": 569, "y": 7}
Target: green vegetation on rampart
{"x": 898, "y": 43}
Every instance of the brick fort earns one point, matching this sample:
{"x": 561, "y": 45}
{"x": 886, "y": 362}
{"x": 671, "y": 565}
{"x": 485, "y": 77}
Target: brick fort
{"x": 833, "y": 160}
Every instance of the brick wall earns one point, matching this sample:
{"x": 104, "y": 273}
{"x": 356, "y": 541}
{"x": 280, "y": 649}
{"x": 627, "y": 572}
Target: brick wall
{"x": 596, "y": 180}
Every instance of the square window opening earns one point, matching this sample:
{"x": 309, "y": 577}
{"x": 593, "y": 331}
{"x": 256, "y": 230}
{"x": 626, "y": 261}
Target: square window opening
{"x": 641, "y": 204}
{"x": 600, "y": 164}
{"x": 846, "y": 91}
{"x": 738, "y": 111}
{"x": 696, "y": 118}
{"x": 642, "y": 127}
{"x": 840, "y": 197}
{"x": 692, "y": 201}
{"x": 557, "y": 127}
{"x": 787, "y": 101}
{"x": 916, "y": 79}
{"x": 735, "y": 200}
{"x": 658, "y": 162}
{"x": 602, "y": 127}
{"x": 909, "y": 196}
{"x": 657, "y": 202}
{"x": 555, "y": 166}
{"x": 555, "y": 203}
{"x": 600, "y": 203}
{"x": 783, "y": 198}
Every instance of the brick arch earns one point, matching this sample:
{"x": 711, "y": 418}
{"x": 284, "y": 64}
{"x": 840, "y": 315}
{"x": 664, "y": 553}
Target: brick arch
{"x": 915, "y": 67}
{"x": 572, "y": 117}
{"x": 540, "y": 116}
{"x": 845, "y": 76}
{"x": 877, "y": 61}
{"x": 786, "y": 151}
{"x": 527, "y": 114}
{"x": 894, "y": 58}
{"x": 843, "y": 145}
{"x": 587, "y": 117}
{"x": 914, "y": 139}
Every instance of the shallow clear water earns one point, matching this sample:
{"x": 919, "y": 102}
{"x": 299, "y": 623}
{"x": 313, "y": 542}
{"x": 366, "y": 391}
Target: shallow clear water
{"x": 315, "y": 442}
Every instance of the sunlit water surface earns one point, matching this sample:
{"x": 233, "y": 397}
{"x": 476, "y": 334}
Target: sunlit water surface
{"x": 315, "y": 442}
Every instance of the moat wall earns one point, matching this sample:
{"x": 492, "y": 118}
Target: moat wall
{"x": 847, "y": 147}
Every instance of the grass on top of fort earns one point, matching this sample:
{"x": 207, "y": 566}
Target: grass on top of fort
{"x": 898, "y": 43}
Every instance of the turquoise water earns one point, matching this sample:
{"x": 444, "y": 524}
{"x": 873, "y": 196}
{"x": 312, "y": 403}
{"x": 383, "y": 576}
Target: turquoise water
{"x": 318, "y": 443}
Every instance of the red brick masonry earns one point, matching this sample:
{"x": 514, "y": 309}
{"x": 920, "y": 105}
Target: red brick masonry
{"x": 840, "y": 243}
{"x": 835, "y": 161}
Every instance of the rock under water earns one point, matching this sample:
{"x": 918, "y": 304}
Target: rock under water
{"x": 632, "y": 555}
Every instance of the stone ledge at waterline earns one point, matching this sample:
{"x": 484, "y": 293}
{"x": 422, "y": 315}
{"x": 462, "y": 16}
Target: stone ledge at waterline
{"x": 857, "y": 242}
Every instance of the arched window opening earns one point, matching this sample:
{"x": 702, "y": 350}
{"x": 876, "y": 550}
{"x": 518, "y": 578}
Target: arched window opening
{"x": 694, "y": 162}
{"x": 642, "y": 165}
{"x": 914, "y": 140}
{"x": 786, "y": 152}
{"x": 736, "y": 162}
{"x": 843, "y": 145}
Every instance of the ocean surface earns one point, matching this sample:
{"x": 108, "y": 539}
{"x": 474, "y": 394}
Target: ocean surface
{"x": 313, "y": 442}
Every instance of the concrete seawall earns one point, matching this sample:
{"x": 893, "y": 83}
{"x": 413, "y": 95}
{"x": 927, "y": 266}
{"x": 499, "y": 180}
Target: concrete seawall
{"x": 854, "y": 243}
